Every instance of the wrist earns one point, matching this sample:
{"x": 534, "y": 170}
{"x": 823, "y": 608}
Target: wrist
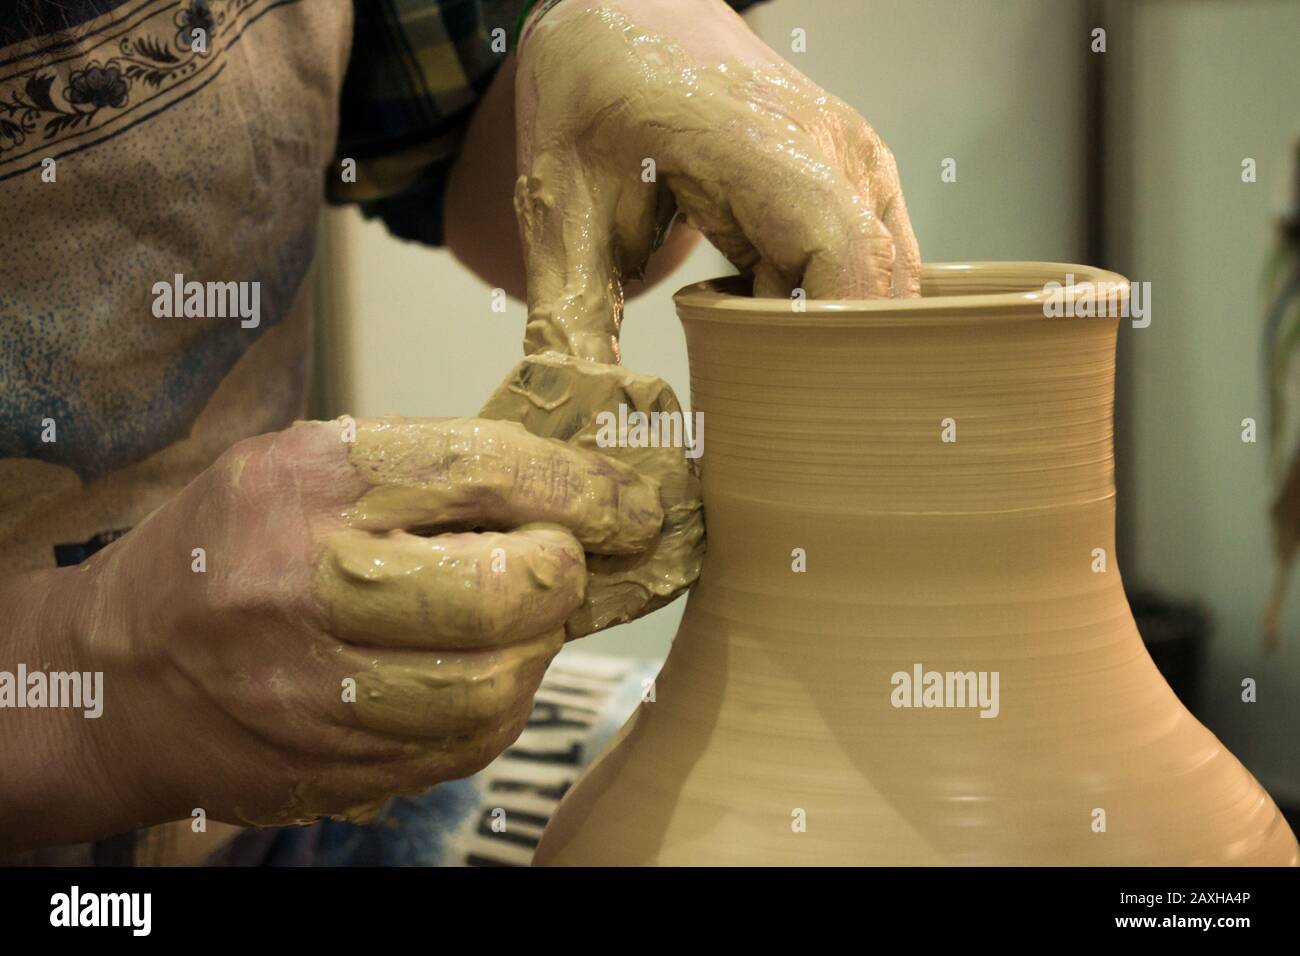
{"x": 64, "y": 775}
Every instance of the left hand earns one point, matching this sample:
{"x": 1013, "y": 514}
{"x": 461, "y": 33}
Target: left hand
{"x": 788, "y": 181}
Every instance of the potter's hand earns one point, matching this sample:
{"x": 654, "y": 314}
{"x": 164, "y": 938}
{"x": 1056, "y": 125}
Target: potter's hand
{"x": 786, "y": 180}
{"x": 330, "y": 650}
{"x": 563, "y": 397}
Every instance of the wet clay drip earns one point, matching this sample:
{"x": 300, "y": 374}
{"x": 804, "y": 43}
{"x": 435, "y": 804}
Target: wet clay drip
{"x": 559, "y": 396}
{"x": 775, "y": 736}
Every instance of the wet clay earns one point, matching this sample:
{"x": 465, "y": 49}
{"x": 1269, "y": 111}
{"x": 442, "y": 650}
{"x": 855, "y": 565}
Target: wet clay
{"x": 458, "y": 695}
{"x": 450, "y": 591}
{"x": 784, "y": 178}
{"x": 446, "y": 479}
{"x": 458, "y": 622}
{"x": 560, "y": 397}
{"x": 849, "y": 543}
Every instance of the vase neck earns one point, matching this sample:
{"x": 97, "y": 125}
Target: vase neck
{"x": 1011, "y": 415}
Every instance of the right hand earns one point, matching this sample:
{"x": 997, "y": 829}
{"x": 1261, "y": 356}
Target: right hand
{"x": 786, "y": 179}
{"x": 232, "y": 682}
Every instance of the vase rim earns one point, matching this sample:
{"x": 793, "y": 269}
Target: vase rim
{"x": 1016, "y": 291}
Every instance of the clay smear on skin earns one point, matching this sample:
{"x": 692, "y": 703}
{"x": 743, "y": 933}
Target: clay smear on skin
{"x": 589, "y": 217}
{"x": 442, "y": 597}
{"x": 560, "y": 396}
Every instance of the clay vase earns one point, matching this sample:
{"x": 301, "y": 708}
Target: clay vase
{"x": 895, "y": 489}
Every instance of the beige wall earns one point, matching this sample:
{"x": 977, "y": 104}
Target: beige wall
{"x": 1212, "y": 83}
{"x": 998, "y": 89}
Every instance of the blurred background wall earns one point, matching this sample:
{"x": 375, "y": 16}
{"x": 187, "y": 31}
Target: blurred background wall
{"x": 1209, "y": 83}
{"x": 1002, "y": 87}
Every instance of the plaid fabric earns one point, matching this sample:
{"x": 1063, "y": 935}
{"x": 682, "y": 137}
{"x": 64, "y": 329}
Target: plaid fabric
{"x": 417, "y": 69}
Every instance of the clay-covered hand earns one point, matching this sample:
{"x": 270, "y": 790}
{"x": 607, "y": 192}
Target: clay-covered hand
{"x": 316, "y": 623}
{"x": 581, "y": 402}
{"x": 629, "y": 110}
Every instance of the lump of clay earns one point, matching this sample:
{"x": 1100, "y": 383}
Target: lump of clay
{"x": 559, "y": 396}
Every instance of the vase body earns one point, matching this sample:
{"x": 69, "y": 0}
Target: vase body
{"x": 911, "y": 488}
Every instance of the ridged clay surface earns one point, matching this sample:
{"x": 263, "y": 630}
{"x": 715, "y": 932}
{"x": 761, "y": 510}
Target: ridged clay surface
{"x": 974, "y": 555}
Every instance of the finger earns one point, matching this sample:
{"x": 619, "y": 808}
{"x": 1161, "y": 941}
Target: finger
{"x": 465, "y": 693}
{"x": 440, "y": 759}
{"x": 475, "y": 473}
{"x": 905, "y": 281}
{"x": 459, "y": 757}
{"x": 801, "y": 215}
{"x": 886, "y": 189}
{"x": 771, "y": 283}
{"x": 357, "y": 789}
{"x": 450, "y": 591}
{"x": 575, "y": 295}
{"x": 859, "y": 267}
{"x": 704, "y": 206}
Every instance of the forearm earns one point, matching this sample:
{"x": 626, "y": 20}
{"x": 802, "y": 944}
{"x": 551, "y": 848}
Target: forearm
{"x": 62, "y": 771}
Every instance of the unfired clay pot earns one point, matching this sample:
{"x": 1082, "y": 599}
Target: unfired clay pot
{"x": 774, "y": 735}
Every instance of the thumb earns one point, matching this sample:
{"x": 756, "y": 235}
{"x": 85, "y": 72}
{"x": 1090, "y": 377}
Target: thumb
{"x": 575, "y": 293}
